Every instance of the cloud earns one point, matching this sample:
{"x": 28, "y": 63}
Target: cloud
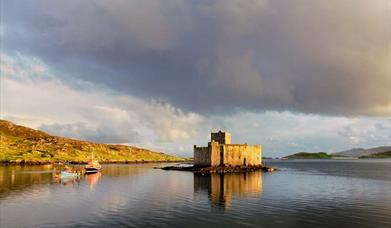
{"x": 105, "y": 116}
{"x": 49, "y": 104}
{"x": 283, "y": 133}
{"x": 215, "y": 57}
{"x": 104, "y": 129}
{"x": 295, "y": 76}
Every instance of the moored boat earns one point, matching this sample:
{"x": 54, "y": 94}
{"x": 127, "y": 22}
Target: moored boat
{"x": 93, "y": 166}
{"x": 66, "y": 174}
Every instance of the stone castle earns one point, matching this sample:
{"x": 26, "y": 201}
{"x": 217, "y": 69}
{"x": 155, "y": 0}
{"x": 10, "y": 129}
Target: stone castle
{"x": 220, "y": 152}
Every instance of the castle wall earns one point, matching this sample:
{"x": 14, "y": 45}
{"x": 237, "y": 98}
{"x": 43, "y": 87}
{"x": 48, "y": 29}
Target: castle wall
{"x": 254, "y": 155}
{"x": 234, "y": 154}
{"x": 214, "y": 153}
{"x": 201, "y": 156}
{"x": 242, "y": 154}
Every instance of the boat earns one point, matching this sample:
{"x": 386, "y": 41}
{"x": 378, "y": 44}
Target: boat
{"x": 93, "y": 166}
{"x": 66, "y": 174}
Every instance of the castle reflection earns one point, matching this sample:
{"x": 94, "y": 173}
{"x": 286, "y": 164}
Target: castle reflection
{"x": 222, "y": 188}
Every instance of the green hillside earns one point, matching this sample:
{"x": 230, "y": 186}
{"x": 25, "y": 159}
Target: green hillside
{"x": 305, "y": 155}
{"x": 25, "y": 145}
{"x": 379, "y": 155}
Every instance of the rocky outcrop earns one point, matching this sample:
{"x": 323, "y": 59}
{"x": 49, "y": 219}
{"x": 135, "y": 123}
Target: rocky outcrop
{"x": 221, "y": 169}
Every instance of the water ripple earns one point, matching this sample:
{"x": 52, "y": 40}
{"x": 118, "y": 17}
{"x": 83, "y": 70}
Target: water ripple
{"x": 302, "y": 195}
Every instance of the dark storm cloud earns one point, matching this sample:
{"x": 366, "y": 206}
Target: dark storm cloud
{"x": 328, "y": 57}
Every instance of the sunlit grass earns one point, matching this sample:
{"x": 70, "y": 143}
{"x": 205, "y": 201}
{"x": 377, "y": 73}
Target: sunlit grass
{"x": 22, "y": 144}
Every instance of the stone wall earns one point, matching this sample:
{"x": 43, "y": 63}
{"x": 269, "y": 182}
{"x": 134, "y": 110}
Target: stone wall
{"x": 242, "y": 154}
{"x": 215, "y": 153}
{"x": 254, "y": 155}
{"x": 207, "y": 156}
{"x": 202, "y": 156}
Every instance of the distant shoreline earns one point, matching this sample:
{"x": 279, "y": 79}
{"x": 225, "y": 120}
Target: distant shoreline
{"x": 334, "y": 158}
{"x": 324, "y": 155}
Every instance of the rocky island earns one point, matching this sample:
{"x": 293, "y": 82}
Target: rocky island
{"x": 220, "y": 156}
{"x": 305, "y": 155}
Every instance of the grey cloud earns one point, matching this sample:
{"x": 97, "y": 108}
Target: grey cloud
{"x": 327, "y": 57}
{"x": 101, "y": 134}
{"x": 384, "y": 126}
{"x": 348, "y": 132}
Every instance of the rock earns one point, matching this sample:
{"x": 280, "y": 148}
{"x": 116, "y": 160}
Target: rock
{"x": 221, "y": 169}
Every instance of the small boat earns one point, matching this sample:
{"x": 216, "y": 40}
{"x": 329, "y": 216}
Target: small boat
{"x": 66, "y": 174}
{"x": 93, "y": 166}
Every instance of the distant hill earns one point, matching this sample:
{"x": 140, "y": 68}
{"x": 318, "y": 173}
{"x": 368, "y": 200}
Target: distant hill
{"x": 359, "y": 152}
{"x": 25, "y": 145}
{"x": 305, "y": 155}
{"x": 378, "y": 155}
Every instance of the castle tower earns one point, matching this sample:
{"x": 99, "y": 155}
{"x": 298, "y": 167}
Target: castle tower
{"x": 221, "y": 137}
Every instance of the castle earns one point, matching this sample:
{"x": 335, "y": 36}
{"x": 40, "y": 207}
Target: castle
{"x": 220, "y": 152}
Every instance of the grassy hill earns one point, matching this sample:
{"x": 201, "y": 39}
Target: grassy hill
{"x": 361, "y": 152}
{"x": 20, "y": 144}
{"x": 305, "y": 155}
{"x": 378, "y": 155}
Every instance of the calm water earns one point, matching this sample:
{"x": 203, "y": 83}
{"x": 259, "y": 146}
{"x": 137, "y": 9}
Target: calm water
{"x": 354, "y": 193}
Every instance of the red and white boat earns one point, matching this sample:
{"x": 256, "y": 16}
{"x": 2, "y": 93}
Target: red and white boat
{"x": 93, "y": 166}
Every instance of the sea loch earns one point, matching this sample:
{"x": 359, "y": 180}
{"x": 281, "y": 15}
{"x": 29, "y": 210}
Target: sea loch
{"x": 310, "y": 193}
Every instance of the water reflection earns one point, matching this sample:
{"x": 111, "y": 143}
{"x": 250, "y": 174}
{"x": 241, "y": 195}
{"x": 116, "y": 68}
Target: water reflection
{"x": 18, "y": 178}
{"x": 70, "y": 181}
{"x": 222, "y": 188}
{"x": 93, "y": 179}
{"x": 140, "y": 196}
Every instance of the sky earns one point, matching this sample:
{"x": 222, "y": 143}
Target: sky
{"x": 297, "y": 75}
